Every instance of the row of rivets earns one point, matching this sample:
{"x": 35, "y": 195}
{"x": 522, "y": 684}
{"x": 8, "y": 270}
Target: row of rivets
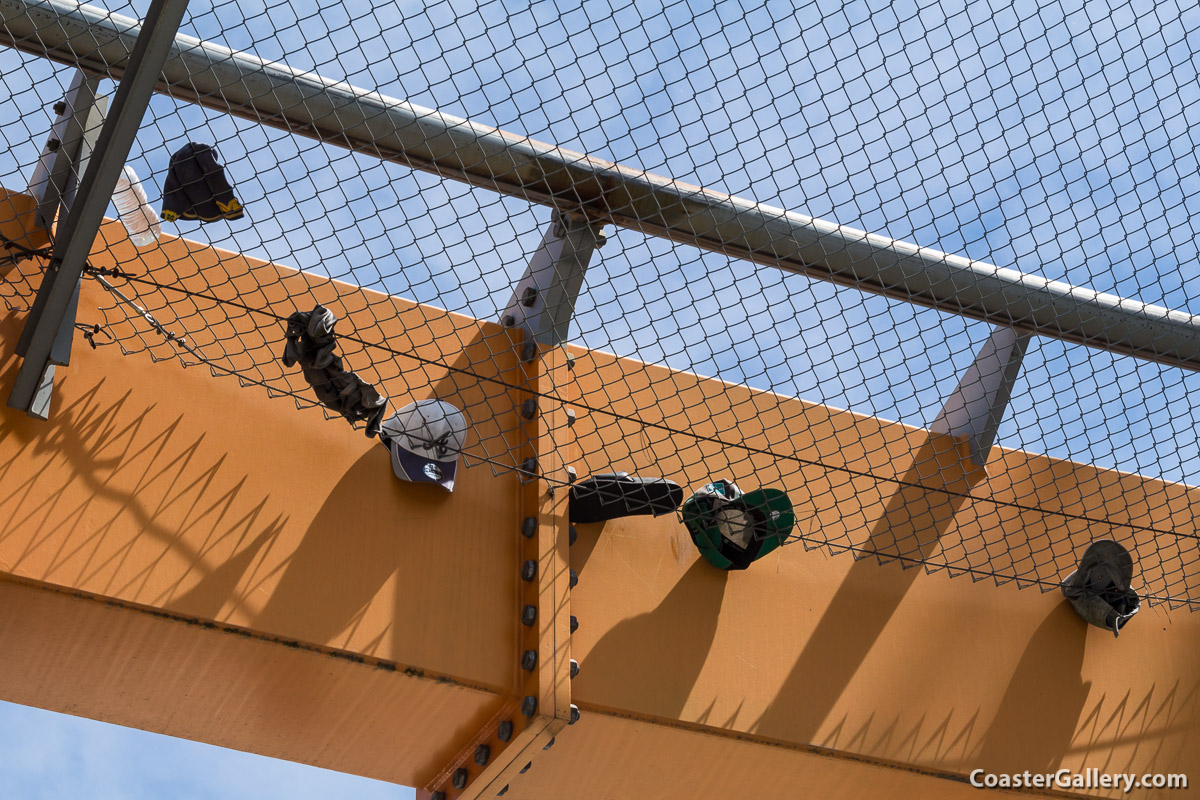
{"x": 529, "y": 570}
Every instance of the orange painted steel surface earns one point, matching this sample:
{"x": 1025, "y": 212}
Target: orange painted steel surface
{"x": 16, "y": 221}
{"x": 189, "y": 499}
{"x": 547, "y": 638}
{"x": 167, "y": 489}
{"x": 898, "y": 666}
{"x": 612, "y": 758}
{"x": 93, "y": 658}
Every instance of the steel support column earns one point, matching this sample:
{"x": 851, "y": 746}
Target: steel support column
{"x": 977, "y": 406}
{"x": 72, "y": 136}
{"x": 544, "y": 300}
{"x": 78, "y": 231}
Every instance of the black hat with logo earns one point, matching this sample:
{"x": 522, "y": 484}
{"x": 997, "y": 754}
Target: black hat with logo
{"x": 196, "y": 187}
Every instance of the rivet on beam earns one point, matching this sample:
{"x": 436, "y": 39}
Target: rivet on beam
{"x": 529, "y": 570}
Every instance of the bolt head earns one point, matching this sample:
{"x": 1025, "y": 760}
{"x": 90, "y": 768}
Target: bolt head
{"x": 529, "y": 660}
{"x": 482, "y": 754}
{"x": 574, "y": 578}
{"x": 574, "y": 668}
{"x": 505, "y": 731}
{"x": 572, "y": 534}
{"x": 529, "y": 527}
{"x": 574, "y": 714}
{"x": 529, "y": 570}
{"x": 529, "y": 706}
{"x": 526, "y": 768}
{"x": 459, "y": 779}
{"x": 574, "y": 624}
{"x": 529, "y": 615}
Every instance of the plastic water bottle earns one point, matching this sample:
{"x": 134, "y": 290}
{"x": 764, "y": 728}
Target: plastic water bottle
{"x": 140, "y": 220}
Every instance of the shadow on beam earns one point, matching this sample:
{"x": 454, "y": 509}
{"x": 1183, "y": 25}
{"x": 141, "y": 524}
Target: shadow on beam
{"x": 910, "y": 527}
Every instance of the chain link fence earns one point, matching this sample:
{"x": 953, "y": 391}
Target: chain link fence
{"x": 1054, "y": 139}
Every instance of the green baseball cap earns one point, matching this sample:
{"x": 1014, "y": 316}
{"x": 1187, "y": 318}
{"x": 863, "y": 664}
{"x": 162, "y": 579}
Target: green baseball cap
{"x": 732, "y": 529}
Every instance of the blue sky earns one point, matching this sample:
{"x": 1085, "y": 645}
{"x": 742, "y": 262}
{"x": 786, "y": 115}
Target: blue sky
{"x": 47, "y": 756}
{"x": 1057, "y": 138}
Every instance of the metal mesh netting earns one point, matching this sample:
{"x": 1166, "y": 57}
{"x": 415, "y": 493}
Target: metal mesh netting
{"x": 1056, "y": 140}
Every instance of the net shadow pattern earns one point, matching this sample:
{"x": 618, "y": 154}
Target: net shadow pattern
{"x": 1053, "y": 141}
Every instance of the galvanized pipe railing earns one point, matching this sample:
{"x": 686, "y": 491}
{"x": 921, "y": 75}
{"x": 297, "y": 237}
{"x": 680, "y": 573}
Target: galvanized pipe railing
{"x": 338, "y": 113}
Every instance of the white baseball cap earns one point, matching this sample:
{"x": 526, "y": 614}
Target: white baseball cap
{"x": 425, "y": 439}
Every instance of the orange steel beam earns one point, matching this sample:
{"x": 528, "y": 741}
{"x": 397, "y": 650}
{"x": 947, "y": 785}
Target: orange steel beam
{"x": 186, "y": 520}
{"x": 186, "y": 556}
{"x": 17, "y": 228}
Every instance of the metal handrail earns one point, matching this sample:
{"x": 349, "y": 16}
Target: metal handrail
{"x": 337, "y": 113}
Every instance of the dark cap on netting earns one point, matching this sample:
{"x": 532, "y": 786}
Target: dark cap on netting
{"x": 1100, "y": 589}
{"x": 196, "y": 187}
{"x": 618, "y": 494}
{"x": 312, "y": 344}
